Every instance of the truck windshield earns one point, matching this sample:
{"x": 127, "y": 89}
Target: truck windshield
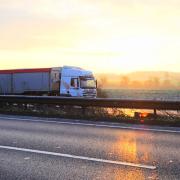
{"x": 87, "y": 83}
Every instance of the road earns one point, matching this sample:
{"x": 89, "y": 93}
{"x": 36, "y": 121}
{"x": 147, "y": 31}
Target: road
{"x": 41, "y": 148}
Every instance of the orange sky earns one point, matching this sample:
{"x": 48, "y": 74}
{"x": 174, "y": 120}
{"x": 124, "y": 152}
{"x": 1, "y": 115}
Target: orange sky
{"x": 105, "y": 36}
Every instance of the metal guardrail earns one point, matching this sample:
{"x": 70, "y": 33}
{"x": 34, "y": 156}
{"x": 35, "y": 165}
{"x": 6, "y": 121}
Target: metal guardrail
{"x": 93, "y": 102}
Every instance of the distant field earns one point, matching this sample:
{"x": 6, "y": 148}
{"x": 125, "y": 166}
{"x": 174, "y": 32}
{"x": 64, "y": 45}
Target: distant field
{"x": 172, "y": 95}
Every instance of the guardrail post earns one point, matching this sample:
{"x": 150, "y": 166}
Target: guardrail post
{"x": 155, "y": 112}
{"x": 25, "y": 106}
{"x": 83, "y": 111}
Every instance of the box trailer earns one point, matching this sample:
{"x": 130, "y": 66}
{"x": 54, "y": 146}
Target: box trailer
{"x": 58, "y": 81}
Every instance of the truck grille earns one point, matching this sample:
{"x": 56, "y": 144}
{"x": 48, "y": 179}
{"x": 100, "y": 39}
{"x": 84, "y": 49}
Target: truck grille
{"x": 89, "y": 94}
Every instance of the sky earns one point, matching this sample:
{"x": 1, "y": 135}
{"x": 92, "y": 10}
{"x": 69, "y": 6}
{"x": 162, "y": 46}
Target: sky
{"x": 109, "y": 36}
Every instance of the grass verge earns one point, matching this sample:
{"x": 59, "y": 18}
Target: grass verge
{"x": 91, "y": 113}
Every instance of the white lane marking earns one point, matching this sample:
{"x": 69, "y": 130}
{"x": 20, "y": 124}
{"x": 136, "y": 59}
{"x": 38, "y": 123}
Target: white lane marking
{"x": 79, "y": 157}
{"x": 27, "y": 158}
{"x": 94, "y": 125}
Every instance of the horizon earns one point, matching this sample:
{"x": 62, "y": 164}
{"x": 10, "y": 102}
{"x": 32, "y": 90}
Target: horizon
{"x": 104, "y": 36}
{"x": 101, "y": 73}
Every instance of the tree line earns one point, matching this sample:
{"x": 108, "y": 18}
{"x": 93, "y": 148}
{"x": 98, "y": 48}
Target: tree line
{"x": 105, "y": 81}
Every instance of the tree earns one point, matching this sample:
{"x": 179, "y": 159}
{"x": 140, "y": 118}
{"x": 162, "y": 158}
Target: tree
{"x": 125, "y": 81}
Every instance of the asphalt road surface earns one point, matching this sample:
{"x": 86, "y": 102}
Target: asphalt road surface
{"x": 41, "y": 148}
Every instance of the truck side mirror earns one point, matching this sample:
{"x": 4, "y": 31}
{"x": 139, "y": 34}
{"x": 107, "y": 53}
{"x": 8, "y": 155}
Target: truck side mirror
{"x": 75, "y": 83}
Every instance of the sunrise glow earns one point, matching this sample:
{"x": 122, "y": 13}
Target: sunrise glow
{"x": 105, "y": 36}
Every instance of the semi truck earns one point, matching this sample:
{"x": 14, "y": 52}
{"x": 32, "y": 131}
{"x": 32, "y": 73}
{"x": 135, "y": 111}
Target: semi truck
{"x": 58, "y": 81}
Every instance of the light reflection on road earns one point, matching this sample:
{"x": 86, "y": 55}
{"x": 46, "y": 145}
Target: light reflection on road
{"x": 127, "y": 149}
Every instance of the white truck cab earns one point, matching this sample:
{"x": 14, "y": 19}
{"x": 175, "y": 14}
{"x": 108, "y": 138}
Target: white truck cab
{"x": 77, "y": 82}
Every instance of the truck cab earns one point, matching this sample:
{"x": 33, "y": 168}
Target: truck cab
{"x": 77, "y": 82}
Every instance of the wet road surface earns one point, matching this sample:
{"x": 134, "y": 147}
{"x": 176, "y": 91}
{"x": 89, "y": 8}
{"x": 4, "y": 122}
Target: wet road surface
{"x": 40, "y": 148}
